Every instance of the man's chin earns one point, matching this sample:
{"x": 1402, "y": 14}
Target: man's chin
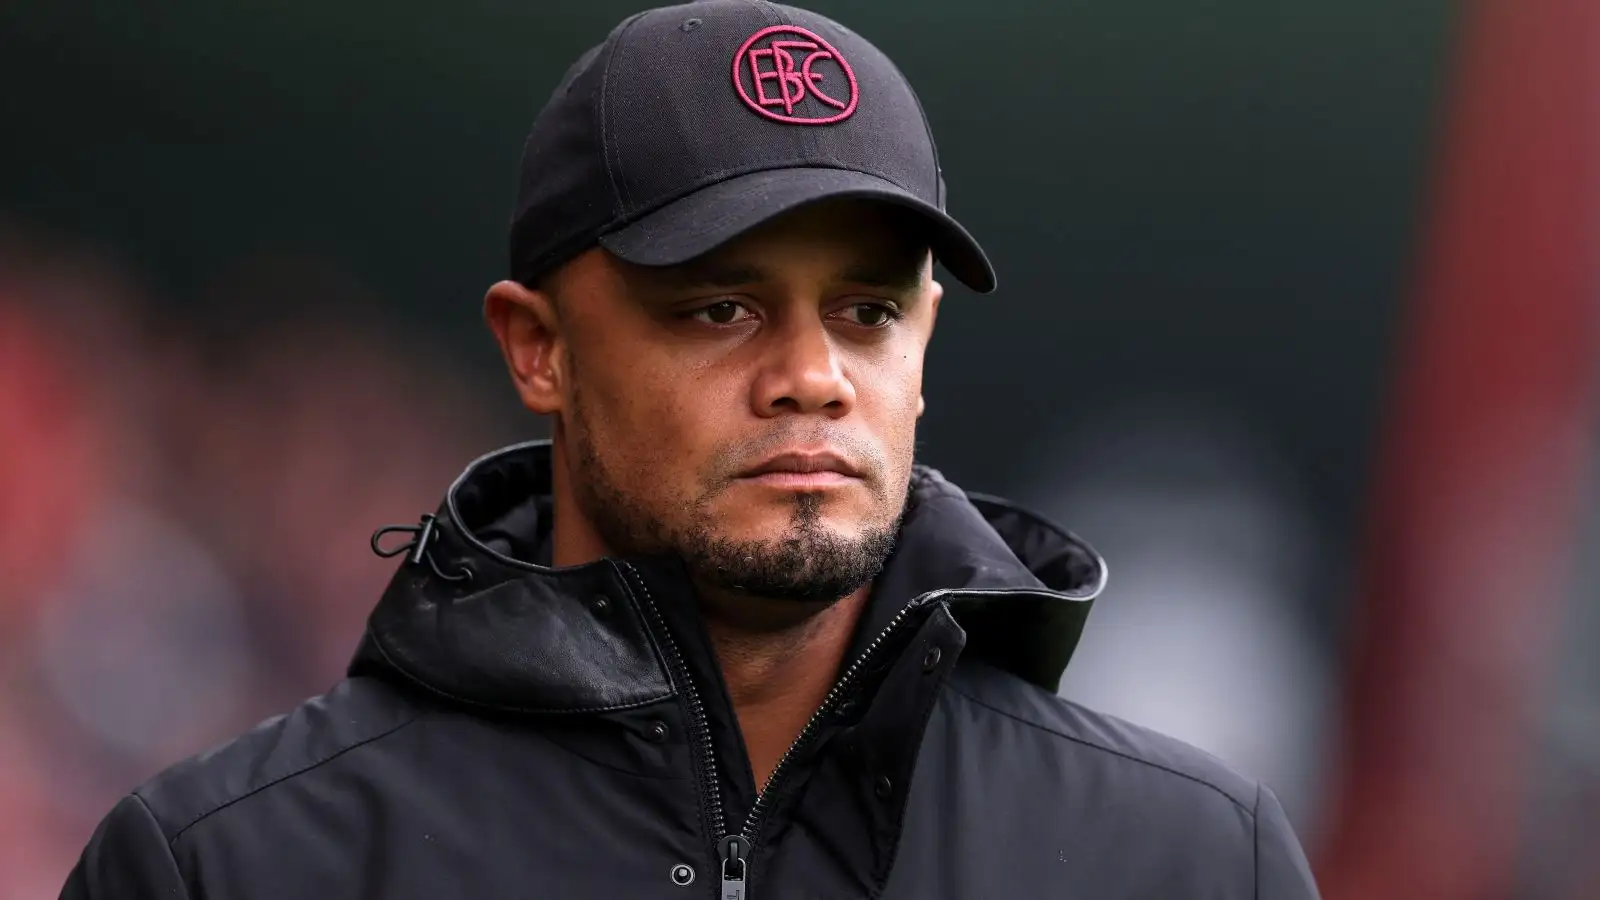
{"x": 777, "y": 533}
{"x": 773, "y": 598}
{"x": 811, "y": 563}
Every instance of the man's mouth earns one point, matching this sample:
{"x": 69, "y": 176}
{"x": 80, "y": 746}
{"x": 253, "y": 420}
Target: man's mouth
{"x": 796, "y": 469}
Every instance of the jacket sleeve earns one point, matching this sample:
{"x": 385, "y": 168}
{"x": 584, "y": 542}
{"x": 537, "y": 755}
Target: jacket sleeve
{"x": 1282, "y": 872}
{"x": 127, "y": 859}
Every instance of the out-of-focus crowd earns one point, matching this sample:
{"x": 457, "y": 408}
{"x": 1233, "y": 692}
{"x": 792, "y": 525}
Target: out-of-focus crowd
{"x": 185, "y": 506}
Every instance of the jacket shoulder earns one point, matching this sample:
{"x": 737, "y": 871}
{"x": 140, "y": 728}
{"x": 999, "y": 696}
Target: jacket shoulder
{"x": 1066, "y": 795}
{"x": 1115, "y": 745}
{"x": 355, "y": 713}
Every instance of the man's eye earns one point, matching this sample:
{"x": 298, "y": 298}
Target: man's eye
{"x": 872, "y": 315}
{"x": 726, "y": 312}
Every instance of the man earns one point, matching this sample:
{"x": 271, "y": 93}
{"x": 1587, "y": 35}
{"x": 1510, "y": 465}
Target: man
{"x": 719, "y": 636}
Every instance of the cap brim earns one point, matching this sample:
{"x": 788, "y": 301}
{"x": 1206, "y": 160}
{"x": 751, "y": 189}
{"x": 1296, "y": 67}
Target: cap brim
{"x": 710, "y": 217}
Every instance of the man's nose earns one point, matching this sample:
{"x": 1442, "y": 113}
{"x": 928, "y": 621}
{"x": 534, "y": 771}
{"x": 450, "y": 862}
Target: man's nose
{"x": 803, "y": 373}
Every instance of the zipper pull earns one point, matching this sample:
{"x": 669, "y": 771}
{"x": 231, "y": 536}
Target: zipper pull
{"x": 733, "y": 849}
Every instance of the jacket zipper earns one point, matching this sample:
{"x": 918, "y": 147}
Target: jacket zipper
{"x": 733, "y": 849}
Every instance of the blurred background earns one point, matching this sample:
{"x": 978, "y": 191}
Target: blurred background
{"x": 1297, "y": 324}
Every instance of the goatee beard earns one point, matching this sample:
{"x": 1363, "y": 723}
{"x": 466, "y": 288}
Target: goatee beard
{"x": 809, "y": 564}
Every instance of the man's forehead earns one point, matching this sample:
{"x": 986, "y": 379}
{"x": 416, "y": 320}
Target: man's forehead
{"x": 901, "y": 273}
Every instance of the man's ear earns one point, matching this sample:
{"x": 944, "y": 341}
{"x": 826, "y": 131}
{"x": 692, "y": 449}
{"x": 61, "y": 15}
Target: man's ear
{"x": 935, "y": 294}
{"x": 526, "y": 326}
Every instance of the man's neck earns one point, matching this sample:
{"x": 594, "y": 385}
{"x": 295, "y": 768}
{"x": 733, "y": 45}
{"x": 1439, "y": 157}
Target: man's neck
{"x": 777, "y": 677}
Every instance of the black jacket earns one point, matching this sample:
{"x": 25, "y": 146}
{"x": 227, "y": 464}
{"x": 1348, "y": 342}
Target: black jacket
{"x": 509, "y": 730}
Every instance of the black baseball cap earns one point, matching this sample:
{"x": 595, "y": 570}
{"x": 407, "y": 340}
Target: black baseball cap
{"x": 691, "y": 124}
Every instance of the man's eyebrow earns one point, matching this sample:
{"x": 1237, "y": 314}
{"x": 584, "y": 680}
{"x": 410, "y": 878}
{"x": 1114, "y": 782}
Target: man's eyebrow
{"x": 905, "y": 277}
{"x": 720, "y": 276}
{"x": 896, "y": 275}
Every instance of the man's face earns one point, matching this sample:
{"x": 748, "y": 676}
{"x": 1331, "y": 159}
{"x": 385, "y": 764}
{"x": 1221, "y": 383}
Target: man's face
{"x": 753, "y": 411}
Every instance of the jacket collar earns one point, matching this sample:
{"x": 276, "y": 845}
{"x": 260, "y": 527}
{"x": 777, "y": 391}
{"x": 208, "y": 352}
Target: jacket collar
{"x": 476, "y": 614}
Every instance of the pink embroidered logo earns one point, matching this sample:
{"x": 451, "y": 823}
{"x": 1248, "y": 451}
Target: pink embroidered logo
{"x": 779, "y": 67}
